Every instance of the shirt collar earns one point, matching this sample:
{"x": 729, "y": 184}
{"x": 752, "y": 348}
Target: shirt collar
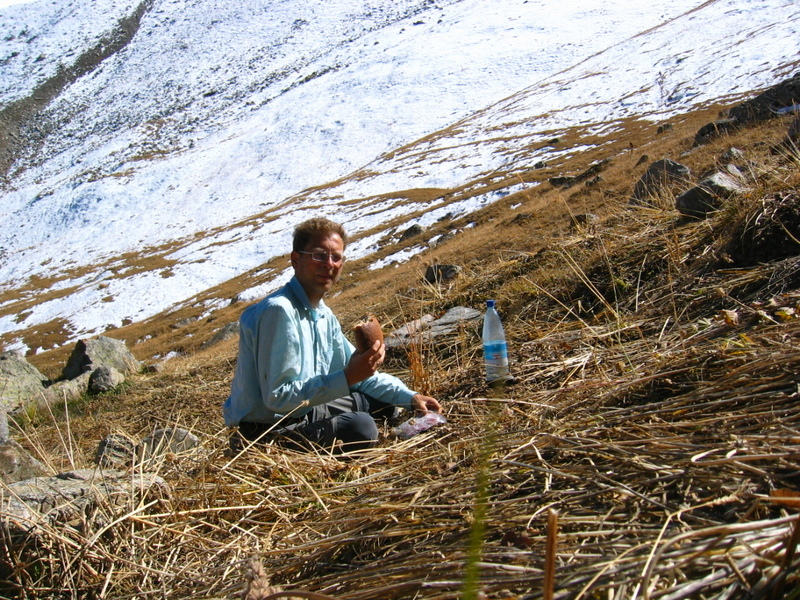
{"x": 300, "y": 294}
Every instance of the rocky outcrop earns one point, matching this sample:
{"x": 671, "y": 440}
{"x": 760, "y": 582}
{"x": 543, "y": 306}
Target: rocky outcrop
{"x": 97, "y": 365}
{"x": 778, "y": 100}
{"x": 47, "y": 501}
{"x": 770, "y": 103}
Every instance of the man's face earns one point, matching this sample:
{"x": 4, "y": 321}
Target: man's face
{"x": 317, "y": 277}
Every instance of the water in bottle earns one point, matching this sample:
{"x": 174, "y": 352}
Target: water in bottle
{"x": 495, "y": 350}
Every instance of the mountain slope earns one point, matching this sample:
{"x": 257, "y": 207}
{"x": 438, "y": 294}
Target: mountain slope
{"x": 185, "y": 158}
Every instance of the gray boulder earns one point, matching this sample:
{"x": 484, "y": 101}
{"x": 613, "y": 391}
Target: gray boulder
{"x": 20, "y": 382}
{"x": 662, "y": 178}
{"x": 452, "y": 319}
{"x": 100, "y": 352}
{"x": 411, "y": 232}
{"x": 440, "y": 273}
{"x": 4, "y": 434}
{"x": 116, "y": 451}
{"x": 105, "y": 379}
{"x": 408, "y": 332}
{"x": 66, "y": 391}
{"x": 428, "y": 328}
{"x": 17, "y": 464}
{"x": 120, "y": 452}
{"x": 168, "y": 440}
{"x": 226, "y": 332}
{"x": 708, "y": 195}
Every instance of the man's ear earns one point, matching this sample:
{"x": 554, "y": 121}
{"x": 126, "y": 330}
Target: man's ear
{"x": 294, "y": 258}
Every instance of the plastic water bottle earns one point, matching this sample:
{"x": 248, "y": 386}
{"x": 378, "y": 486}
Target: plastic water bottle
{"x": 495, "y": 350}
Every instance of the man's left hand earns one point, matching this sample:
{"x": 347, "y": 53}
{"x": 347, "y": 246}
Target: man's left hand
{"x": 423, "y": 404}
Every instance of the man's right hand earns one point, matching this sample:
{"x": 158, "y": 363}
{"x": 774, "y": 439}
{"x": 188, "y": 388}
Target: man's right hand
{"x": 365, "y": 364}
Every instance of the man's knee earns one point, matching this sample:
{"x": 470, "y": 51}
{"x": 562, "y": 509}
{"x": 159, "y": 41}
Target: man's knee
{"x": 356, "y": 431}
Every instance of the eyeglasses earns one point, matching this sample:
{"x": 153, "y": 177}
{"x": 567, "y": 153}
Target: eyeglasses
{"x": 323, "y": 257}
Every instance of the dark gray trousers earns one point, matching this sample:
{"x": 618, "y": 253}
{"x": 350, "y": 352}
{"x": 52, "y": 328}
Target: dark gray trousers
{"x": 342, "y": 425}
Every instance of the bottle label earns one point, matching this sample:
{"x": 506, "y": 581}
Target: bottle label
{"x": 496, "y": 351}
{"x": 496, "y": 358}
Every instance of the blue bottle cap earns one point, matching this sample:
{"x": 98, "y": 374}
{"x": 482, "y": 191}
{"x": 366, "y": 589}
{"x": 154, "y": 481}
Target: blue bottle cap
{"x": 490, "y": 304}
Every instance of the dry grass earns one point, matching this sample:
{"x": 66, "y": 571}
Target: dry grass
{"x": 648, "y": 449}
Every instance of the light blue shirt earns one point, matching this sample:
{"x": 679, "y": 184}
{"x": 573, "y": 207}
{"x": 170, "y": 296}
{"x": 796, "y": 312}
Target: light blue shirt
{"x": 291, "y": 352}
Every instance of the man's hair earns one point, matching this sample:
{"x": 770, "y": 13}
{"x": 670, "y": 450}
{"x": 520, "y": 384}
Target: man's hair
{"x": 316, "y": 227}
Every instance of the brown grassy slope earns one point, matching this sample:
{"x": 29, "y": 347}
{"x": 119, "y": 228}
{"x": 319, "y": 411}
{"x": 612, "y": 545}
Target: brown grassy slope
{"x": 655, "y": 410}
{"x": 540, "y": 214}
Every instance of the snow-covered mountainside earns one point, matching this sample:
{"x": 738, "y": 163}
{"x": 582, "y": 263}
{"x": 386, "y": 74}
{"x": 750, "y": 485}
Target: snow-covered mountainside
{"x": 198, "y": 132}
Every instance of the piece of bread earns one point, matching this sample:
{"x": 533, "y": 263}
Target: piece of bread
{"x": 366, "y": 331}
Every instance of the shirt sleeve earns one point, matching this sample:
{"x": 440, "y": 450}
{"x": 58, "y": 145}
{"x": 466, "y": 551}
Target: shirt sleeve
{"x": 382, "y": 386}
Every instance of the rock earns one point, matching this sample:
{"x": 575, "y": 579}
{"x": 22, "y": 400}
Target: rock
{"x": 66, "y": 391}
{"x": 168, "y": 440}
{"x": 733, "y": 155}
{"x": 590, "y": 173}
{"x": 226, "y": 332}
{"x": 411, "y": 232}
{"x": 439, "y": 273}
{"x": 105, "y": 379}
{"x": 777, "y": 100}
{"x": 734, "y": 171}
{"x": 100, "y": 351}
{"x": 156, "y": 367}
{"x": 116, "y": 451}
{"x": 427, "y": 328}
{"x": 583, "y": 221}
{"x": 20, "y": 382}
{"x": 713, "y": 130}
{"x": 4, "y": 435}
{"x": 769, "y": 103}
{"x": 449, "y": 322}
{"x": 441, "y": 239}
{"x": 54, "y": 501}
{"x": 119, "y": 451}
{"x": 662, "y": 178}
{"x": 708, "y": 195}
{"x": 17, "y": 464}
{"x": 408, "y": 332}
{"x": 793, "y": 133}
